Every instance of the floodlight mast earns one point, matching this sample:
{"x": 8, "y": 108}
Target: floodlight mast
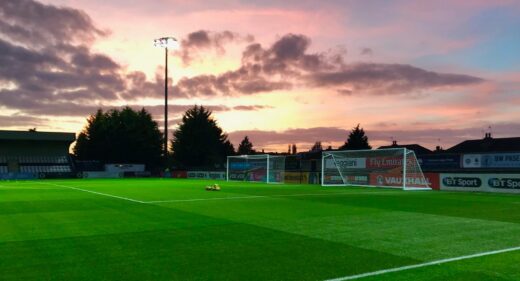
{"x": 166, "y": 43}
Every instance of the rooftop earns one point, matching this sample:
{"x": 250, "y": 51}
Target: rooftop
{"x": 37, "y": 136}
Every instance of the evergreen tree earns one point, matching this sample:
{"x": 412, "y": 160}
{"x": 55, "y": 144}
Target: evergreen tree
{"x": 199, "y": 141}
{"x": 245, "y": 147}
{"x": 294, "y": 150}
{"x": 121, "y": 136}
{"x": 356, "y": 140}
{"x": 317, "y": 147}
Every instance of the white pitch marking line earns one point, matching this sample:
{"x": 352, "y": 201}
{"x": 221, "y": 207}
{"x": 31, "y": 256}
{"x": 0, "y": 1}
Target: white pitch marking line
{"x": 3, "y": 187}
{"x": 413, "y": 266}
{"x": 263, "y": 196}
{"x": 94, "y": 192}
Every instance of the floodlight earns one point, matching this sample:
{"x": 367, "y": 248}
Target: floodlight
{"x": 166, "y": 42}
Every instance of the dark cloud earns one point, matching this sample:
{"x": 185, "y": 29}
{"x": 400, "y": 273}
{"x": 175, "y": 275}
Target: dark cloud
{"x": 52, "y": 69}
{"x": 204, "y": 40}
{"x": 287, "y": 62}
{"x": 251, "y": 107}
{"x": 366, "y": 51}
{"x": 246, "y": 80}
{"x": 308, "y": 136}
{"x": 384, "y": 79}
{"x": 35, "y": 24}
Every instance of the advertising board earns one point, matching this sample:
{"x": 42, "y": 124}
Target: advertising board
{"x": 396, "y": 180}
{"x": 439, "y": 161}
{"x": 491, "y": 160}
{"x": 345, "y": 163}
{"x": 124, "y": 168}
{"x": 487, "y": 182}
{"x": 206, "y": 175}
{"x": 296, "y": 177}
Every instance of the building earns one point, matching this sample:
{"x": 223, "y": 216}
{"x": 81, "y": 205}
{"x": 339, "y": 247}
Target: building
{"x": 487, "y": 145}
{"x": 418, "y": 149}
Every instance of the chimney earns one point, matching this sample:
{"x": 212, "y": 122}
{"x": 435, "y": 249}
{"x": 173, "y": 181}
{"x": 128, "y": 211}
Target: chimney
{"x": 394, "y": 143}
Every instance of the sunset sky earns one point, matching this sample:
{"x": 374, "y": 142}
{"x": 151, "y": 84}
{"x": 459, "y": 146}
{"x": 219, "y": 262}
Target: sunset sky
{"x": 281, "y": 72}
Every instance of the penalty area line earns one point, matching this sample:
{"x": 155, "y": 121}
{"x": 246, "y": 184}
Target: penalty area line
{"x": 413, "y": 266}
{"x": 95, "y": 192}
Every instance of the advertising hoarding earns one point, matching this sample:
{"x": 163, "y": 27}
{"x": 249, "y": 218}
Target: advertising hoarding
{"x": 439, "y": 161}
{"x": 487, "y": 182}
{"x": 491, "y": 160}
{"x": 345, "y": 163}
{"x": 206, "y": 175}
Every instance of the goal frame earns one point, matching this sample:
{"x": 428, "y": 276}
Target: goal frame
{"x": 267, "y": 158}
{"x": 404, "y": 172}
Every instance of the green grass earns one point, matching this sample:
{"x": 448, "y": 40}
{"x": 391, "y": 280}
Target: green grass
{"x": 175, "y": 230}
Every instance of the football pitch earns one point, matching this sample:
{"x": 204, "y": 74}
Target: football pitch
{"x": 172, "y": 229}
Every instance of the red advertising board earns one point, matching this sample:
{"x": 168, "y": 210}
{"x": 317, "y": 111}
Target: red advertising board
{"x": 433, "y": 180}
{"x": 385, "y": 162}
{"x": 179, "y": 174}
{"x": 396, "y": 180}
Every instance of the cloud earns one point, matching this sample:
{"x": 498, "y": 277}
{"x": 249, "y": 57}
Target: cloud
{"x": 53, "y": 70}
{"x": 287, "y": 63}
{"x": 203, "y": 40}
{"x": 301, "y": 135}
{"x": 381, "y": 79}
{"x": 366, "y": 51}
{"x": 251, "y": 107}
{"x": 17, "y": 120}
{"x": 35, "y": 24}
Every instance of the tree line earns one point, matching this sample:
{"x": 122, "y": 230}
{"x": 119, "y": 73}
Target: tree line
{"x": 132, "y": 136}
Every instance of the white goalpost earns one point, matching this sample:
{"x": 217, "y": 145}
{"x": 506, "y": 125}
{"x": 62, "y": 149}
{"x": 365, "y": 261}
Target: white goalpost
{"x": 392, "y": 167}
{"x": 256, "y": 168}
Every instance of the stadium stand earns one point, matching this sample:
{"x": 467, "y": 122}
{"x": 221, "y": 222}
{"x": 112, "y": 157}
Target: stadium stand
{"x": 39, "y": 153}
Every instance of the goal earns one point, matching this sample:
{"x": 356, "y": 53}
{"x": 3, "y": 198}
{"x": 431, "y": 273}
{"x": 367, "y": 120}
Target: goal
{"x": 392, "y": 167}
{"x": 256, "y": 168}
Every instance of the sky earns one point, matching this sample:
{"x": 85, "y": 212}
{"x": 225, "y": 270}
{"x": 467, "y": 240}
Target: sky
{"x": 280, "y": 72}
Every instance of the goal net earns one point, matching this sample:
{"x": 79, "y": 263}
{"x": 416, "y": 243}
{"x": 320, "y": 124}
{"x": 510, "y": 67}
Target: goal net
{"x": 393, "y": 167}
{"x": 256, "y": 168}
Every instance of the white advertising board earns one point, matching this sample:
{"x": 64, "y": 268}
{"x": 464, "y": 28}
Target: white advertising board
{"x": 506, "y": 183}
{"x": 352, "y": 163}
{"x": 124, "y": 167}
{"x": 206, "y": 175}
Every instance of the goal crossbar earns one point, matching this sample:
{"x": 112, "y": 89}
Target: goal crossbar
{"x": 391, "y": 168}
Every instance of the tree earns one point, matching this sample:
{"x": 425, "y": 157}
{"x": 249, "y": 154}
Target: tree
{"x": 294, "y": 150}
{"x": 317, "y": 147}
{"x": 199, "y": 141}
{"x": 356, "y": 140}
{"x": 245, "y": 147}
{"x": 121, "y": 136}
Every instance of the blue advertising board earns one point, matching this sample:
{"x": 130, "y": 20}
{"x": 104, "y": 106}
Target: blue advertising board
{"x": 492, "y": 160}
{"x": 18, "y": 176}
{"x": 439, "y": 161}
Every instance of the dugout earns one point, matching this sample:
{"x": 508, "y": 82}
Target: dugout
{"x": 35, "y": 152}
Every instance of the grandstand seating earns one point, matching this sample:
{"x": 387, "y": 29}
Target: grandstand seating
{"x": 37, "y": 164}
{"x": 45, "y": 169}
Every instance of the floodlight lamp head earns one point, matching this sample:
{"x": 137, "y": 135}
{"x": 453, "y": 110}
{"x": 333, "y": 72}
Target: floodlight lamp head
{"x": 166, "y": 42}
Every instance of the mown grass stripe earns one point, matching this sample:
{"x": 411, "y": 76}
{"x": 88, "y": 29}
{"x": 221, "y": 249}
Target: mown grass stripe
{"x": 413, "y": 266}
